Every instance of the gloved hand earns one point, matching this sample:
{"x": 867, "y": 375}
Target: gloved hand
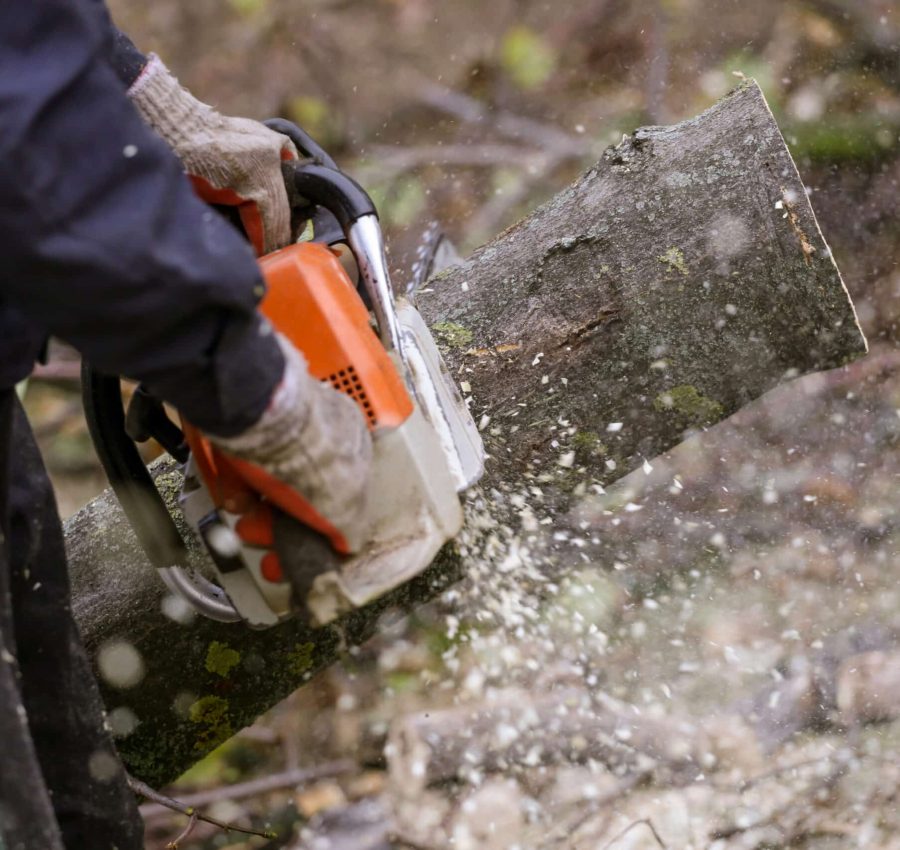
{"x": 310, "y": 454}
{"x": 232, "y": 161}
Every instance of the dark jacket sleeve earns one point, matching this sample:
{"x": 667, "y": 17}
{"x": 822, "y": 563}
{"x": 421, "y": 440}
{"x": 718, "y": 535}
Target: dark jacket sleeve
{"x": 104, "y": 243}
{"x": 124, "y": 58}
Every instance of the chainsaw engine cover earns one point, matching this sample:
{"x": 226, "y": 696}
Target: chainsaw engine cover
{"x": 311, "y": 300}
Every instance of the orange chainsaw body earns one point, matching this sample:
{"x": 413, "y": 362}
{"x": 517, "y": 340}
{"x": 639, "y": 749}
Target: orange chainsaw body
{"x": 311, "y": 301}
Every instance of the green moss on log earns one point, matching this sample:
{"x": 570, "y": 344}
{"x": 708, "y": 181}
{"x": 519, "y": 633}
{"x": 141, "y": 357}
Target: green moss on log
{"x": 210, "y": 714}
{"x": 221, "y": 658}
{"x": 673, "y": 259}
{"x": 690, "y": 403}
{"x": 453, "y": 334}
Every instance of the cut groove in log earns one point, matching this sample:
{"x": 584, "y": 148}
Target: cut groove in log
{"x": 678, "y": 279}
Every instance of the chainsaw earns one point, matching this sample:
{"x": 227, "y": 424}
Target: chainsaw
{"x": 366, "y": 342}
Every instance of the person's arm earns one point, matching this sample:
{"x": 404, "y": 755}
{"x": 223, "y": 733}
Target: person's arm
{"x": 104, "y": 243}
{"x": 124, "y": 58}
{"x": 231, "y": 161}
{"x": 121, "y": 53}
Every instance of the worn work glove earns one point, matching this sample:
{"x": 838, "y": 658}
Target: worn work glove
{"x": 310, "y": 454}
{"x": 231, "y": 161}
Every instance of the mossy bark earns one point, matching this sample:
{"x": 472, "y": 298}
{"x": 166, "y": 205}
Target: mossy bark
{"x": 679, "y": 278}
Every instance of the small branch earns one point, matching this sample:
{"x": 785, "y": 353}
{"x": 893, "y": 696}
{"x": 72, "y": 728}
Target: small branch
{"x": 605, "y": 801}
{"x": 185, "y": 833}
{"x": 752, "y": 781}
{"x": 252, "y": 788}
{"x": 807, "y": 793}
{"x": 389, "y": 162}
{"x": 145, "y": 790}
{"x": 642, "y": 822}
{"x": 515, "y": 127}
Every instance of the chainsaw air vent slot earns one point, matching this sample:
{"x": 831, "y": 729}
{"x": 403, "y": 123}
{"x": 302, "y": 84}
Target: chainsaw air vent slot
{"x": 347, "y": 381}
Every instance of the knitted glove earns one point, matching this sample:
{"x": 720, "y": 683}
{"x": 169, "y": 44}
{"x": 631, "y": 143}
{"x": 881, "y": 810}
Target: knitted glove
{"x": 231, "y": 161}
{"x": 310, "y": 454}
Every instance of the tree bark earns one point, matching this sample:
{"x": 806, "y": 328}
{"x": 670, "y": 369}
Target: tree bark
{"x": 679, "y": 278}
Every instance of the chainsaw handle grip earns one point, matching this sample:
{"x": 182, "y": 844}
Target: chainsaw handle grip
{"x": 306, "y": 145}
{"x": 303, "y": 554}
{"x": 333, "y": 190}
{"x": 320, "y": 183}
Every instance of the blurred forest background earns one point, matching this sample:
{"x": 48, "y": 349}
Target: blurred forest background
{"x": 753, "y": 593}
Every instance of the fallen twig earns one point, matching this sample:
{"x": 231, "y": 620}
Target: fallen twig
{"x": 144, "y": 790}
{"x": 642, "y": 822}
{"x": 753, "y": 781}
{"x": 827, "y": 781}
{"x": 568, "y": 830}
{"x": 251, "y": 788}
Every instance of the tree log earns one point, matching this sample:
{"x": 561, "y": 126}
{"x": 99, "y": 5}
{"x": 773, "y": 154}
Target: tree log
{"x": 852, "y": 680}
{"x": 679, "y": 278}
{"x": 516, "y": 729}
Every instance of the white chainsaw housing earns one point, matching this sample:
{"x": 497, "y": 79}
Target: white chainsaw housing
{"x": 413, "y": 509}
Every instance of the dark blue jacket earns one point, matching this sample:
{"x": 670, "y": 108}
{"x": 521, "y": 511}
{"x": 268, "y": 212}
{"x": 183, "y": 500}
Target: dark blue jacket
{"x": 102, "y": 241}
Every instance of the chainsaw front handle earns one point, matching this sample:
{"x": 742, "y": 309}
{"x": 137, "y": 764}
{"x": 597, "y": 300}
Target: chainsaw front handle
{"x": 306, "y": 145}
{"x": 355, "y": 212}
{"x": 330, "y": 188}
